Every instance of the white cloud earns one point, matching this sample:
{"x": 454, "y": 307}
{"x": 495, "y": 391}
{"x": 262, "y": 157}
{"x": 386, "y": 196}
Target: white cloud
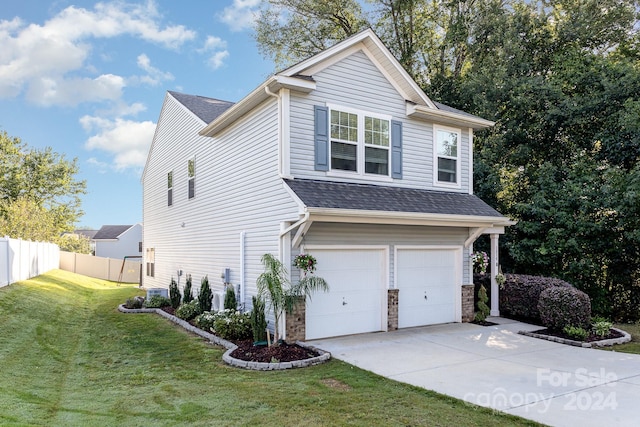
{"x": 216, "y": 49}
{"x": 127, "y": 140}
{"x": 41, "y": 58}
{"x": 240, "y": 15}
{"x": 154, "y": 76}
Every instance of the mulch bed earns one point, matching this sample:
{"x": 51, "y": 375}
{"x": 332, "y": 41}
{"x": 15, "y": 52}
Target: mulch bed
{"x": 276, "y": 353}
{"x": 591, "y": 338}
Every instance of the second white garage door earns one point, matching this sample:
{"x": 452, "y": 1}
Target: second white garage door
{"x": 357, "y": 292}
{"x": 428, "y": 279}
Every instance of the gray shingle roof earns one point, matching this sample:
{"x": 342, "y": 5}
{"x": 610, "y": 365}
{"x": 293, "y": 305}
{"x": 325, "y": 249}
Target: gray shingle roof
{"x": 111, "y": 231}
{"x": 445, "y": 107}
{"x": 207, "y": 109}
{"x": 339, "y": 195}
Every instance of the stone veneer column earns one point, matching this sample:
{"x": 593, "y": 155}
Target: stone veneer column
{"x": 296, "y": 322}
{"x": 468, "y": 309}
{"x": 392, "y": 309}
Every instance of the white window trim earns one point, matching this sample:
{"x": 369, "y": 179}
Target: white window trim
{"x": 436, "y": 182}
{"x": 360, "y": 153}
{"x": 167, "y": 188}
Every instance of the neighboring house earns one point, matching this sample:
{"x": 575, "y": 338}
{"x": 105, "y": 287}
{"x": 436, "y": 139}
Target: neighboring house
{"x": 118, "y": 241}
{"x": 89, "y": 234}
{"x": 342, "y": 156}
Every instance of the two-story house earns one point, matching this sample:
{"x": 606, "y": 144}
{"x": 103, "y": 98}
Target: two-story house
{"x": 342, "y": 156}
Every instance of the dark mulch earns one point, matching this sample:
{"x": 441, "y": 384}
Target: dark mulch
{"x": 483, "y": 323}
{"x": 170, "y": 310}
{"x": 591, "y": 338}
{"x": 276, "y": 353}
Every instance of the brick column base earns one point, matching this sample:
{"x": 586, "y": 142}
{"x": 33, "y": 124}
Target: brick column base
{"x": 392, "y": 309}
{"x": 296, "y": 326}
{"x": 468, "y": 309}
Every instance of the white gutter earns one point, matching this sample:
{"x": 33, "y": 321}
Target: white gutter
{"x": 448, "y": 117}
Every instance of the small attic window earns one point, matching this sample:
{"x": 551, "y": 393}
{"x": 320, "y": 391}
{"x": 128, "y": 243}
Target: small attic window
{"x": 170, "y": 188}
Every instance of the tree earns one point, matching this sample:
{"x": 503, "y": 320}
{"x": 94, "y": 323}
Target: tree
{"x": 274, "y": 286}
{"x": 37, "y": 184}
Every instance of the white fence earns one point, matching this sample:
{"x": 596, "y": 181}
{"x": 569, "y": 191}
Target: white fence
{"x": 22, "y": 260}
{"x": 101, "y": 268}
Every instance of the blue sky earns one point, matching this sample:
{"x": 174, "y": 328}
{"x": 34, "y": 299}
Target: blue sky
{"x": 88, "y": 79}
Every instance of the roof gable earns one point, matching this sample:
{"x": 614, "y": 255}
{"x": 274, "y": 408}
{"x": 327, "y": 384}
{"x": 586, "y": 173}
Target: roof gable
{"x": 206, "y": 109}
{"x": 111, "y": 232}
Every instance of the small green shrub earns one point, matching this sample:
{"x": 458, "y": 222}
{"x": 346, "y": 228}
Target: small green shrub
{"x": 258, "y": 320}
{"x": 135, "y": 302}
{"x": 205, "y": 296}
{"x": 174, "y": 294}
{"x": 561, "y": 306}
{"x": 601, "y": 327}
{"x": 205, "y": 321}
{"x": 157, "y": 301}
{"x": 483, "y": 308}
{"x": 575, "y": 332}
{"x": 188, "y": 311}
{"x": 230, "y": 302}
{"x": 232, "y": 325}
{"x": 187, "y": 294}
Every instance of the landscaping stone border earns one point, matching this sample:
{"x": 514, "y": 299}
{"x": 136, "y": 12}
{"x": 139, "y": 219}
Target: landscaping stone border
{"x": 226, "y": 357}
{"x": 602, "y": 343}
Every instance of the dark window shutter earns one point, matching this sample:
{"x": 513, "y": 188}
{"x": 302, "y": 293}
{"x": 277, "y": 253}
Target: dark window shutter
{"x": 170, "y": 197}
{"x": 321, "y": 127}
{"x": 192, "y": 188}
{"x": 396, "y": 149}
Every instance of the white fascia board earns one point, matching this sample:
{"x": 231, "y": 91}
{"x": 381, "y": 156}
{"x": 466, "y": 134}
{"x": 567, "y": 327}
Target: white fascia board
{"x": 405, "y": 218}
{"x": 302, "y": 208}
{"x": 447, "y": 117}
{"x": 255, "y": 98}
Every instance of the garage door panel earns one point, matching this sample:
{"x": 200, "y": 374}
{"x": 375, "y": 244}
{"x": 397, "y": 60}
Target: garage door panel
{"x": 429, "y": 273}
{"x": 354, "y": 301}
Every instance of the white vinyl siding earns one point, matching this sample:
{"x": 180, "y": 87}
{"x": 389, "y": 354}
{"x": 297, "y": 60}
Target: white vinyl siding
{"x": 391, "y": 235}
{"x": 238, "y": 190}
{"x": 356, "y": 83}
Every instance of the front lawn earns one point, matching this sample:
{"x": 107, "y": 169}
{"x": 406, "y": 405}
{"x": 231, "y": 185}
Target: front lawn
{"x": 69, "y": 358}
{"x": 632, "y": 346}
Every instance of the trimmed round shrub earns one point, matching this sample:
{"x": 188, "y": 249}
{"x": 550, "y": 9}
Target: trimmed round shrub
{"x": 520, "y": 294}
{"x": 561, "y": 306}
{"x": 188, "y": 311}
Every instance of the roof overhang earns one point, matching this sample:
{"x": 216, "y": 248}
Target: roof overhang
{"x": 405, "y": 218}
{"x": 255, "y": 98}
{"x": 447, "y": 117}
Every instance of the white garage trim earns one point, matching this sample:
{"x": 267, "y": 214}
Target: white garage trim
{"x": 457, "y": 289}
{"x": 381, "y": 251}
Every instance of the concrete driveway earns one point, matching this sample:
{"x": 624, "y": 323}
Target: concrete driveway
{"x": 494, "y": 366}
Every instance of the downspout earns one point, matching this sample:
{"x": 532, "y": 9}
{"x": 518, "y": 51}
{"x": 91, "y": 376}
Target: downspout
{"x": 242, "y": 268}
{"x": 280, "y": 147}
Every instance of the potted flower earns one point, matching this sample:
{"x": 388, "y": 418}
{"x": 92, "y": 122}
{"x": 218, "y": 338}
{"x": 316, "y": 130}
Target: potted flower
{"x": 305, "y": 262}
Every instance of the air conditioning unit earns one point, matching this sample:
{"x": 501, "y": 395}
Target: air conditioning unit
{"x": 157, "y": 291}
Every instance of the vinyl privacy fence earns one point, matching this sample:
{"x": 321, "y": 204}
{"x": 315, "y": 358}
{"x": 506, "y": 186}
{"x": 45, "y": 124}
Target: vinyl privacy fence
{"x": 22, "y": 259}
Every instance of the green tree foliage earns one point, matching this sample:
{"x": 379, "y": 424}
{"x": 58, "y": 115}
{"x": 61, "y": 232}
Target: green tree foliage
{"x": 39, "y": 194}
{"x": 187, "y": 292}
{"x": 74, "y": 243}
{"x": 205, "y": 295}
{"x": 561, "y": 79}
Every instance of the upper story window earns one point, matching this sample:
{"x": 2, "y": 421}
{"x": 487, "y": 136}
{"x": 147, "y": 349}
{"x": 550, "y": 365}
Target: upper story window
{"x": 191, "y": 173}
{"x": 359, "y": 142}
{"x": 447, "y": 156}
{"x": 151, "y": 262}
{"x": 170, "y": 188}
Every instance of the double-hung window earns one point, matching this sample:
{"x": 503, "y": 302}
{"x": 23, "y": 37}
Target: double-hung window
{"x": 191, "y": 172}
{"x": 151, "y": 262}
{"x": 447, "y": 156}
{"x": 360, "y": 142}
{"x": 170, "y": 188}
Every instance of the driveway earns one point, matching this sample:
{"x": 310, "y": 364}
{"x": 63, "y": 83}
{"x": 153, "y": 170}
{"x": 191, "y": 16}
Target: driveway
{"x": 494, "y": 366}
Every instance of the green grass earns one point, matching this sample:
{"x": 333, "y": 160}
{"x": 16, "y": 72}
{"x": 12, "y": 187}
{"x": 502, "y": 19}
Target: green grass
{"x": 69, "y": 358}
{"x": 634, "y": 345}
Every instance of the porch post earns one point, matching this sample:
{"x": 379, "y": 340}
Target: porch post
{"x": 495, "y": 310}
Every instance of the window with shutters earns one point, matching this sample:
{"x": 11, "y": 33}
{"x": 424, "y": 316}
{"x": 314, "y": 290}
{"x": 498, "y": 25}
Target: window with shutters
{"x": 446, "y": 156}
{"x": 359, "y": 141}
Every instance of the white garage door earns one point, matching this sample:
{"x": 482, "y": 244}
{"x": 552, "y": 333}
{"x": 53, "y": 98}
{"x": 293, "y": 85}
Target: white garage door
{"x": 428, "y": 280}
{"x": 357, "y": 293}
